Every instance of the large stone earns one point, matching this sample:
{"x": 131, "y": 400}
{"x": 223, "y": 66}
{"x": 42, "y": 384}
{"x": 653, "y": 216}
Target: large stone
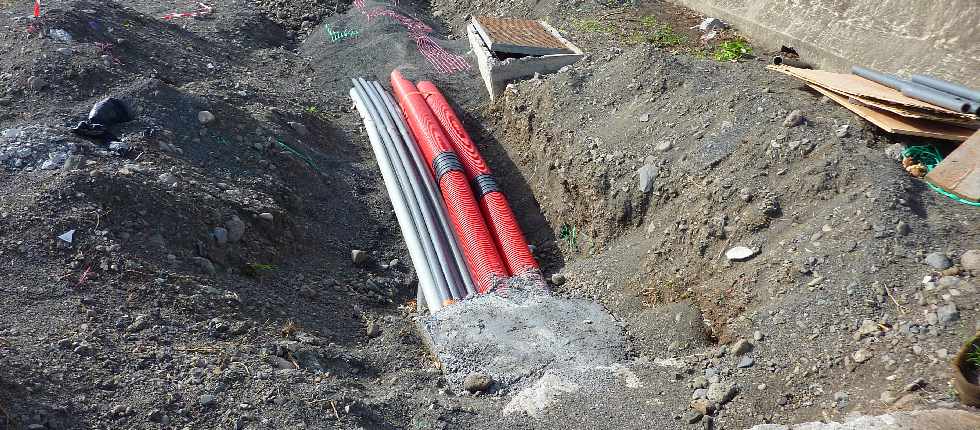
{"x": 205, "y": 117}
{"x": 647, "y": 174}
{"x": 477, "y": 382}
{"x": 236, "y": 229}
{"x": 938, "y": 260}
{"x": 722, "y": 392}
{"x": 971, "y": 260}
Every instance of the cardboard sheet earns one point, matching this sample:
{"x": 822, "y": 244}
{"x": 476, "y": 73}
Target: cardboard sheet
{"x": 959, "y": 173}
{"x": 893, "y": 123}
{"x": 910, "y": 112}
{"x": 853, "y": 85}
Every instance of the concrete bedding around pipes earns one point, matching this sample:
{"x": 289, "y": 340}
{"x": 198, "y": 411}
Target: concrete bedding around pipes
{"x": 516, "y": 336}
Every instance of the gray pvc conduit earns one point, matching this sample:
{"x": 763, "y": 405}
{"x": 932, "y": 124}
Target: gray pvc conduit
{"x": 426, "y": 283}
{"x": 916, "y": 91}
{"x": 413, "y": 178}
{"x": 405, "y": 183}
{"x": 949, "y": 87}
{"x": 436, "y": 218}
{"x": 434, "y": 196}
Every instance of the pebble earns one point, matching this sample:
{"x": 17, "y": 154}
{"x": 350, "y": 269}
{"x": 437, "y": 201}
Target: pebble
{"x": 266, "y": 216}
{"x": 971, "y": 260}
{"x": 703, "y": 406}
{"x": 358, "y": 256}
{"x": 205, "y": 117}
{"x": 721, "y": 392}
{"x": 558, "y": 279}
{"x": 794, "y": 119}
{"x": 902, "y": 228}
{"x": 745, "y": 362}
{"x": 477, "y": 382}
{"x": 758, "y": 336}
{"x": 167, "y": 179}
{"x": 948, "y": 313}
{"x": 700, "y": 393}
{"x": 938, "y": 260}
{"x": 373, "y": 330}
{"x": 645, "y": 117}
{"x": 843, "y": 131}
{"x": 887, "y": 397}
{"x": 699, "y": 382}
{"x": 739, "y": 253}
{"x": 207, "y": 400}
{"x": 741, "y": 346}
{"x": 861, "y": 355}
{"x": 236, "y": 229}
{"x": 664, "y": 146}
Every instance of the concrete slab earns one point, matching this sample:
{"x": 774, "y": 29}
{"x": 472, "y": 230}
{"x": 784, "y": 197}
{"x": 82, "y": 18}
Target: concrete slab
{"x": 517, "y": 336}
{"x": 498, "y": 70}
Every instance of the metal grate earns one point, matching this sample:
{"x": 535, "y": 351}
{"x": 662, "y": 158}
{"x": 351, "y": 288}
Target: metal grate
{"x": 519, "y": 36}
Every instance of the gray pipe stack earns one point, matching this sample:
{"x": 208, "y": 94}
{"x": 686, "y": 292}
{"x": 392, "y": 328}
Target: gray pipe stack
{"x": 930, "y": 90}
{"x": 432, "y": 245}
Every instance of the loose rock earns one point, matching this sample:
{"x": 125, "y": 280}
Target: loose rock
{"x": 739, "y": 253}
{"x": 938, "y": 260}
{"x": 205, "y": 117}
{"x": 477, "y": 382}
{"x": 358, "y": 256}
{"x": 721, "y": 392}
{"x": 794, "y": 119}
{"x": 236, "y": 229}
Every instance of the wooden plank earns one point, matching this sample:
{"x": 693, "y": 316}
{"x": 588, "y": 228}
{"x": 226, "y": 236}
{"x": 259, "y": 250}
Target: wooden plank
{"x": 959, "y": 173}
{"x": 853, "y": 85}
{"x": 898, "y": 124}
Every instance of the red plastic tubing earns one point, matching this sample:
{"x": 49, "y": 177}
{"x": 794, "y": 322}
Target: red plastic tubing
{"x": 479, "y": 248}
{"x": 500, "y": 218}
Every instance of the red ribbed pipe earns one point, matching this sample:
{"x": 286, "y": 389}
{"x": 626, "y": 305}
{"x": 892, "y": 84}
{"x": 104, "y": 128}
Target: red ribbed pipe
{"x": 478, "y": 245}
{"x": 500, "y": 218}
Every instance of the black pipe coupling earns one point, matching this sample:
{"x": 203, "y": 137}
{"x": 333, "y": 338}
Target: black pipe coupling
{"x": 445, "y": 162}
{"x": 484, "y": 184}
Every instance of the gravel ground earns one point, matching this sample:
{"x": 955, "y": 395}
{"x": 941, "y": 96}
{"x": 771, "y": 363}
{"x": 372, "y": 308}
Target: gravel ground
{"x": 209, "y": 282}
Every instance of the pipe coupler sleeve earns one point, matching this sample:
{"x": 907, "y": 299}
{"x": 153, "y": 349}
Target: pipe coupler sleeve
{"x": 444, "y": 163}
{"x": 484, "y": 184}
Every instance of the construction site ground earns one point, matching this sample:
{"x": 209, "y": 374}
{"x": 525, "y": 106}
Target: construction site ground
{"x": 209, "y": 281}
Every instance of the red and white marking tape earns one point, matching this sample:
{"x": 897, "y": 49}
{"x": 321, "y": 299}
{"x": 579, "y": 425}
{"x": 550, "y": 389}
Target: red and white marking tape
{"x": 37, "y": 8}
{"x": 204, "y": 10}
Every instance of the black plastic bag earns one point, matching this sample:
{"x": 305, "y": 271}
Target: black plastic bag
{"x": 110, "y": 111}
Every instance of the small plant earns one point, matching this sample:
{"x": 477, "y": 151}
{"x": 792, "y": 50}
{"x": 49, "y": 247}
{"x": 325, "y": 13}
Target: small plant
{"x": 255, "y": 270}
{"x": 653, "y": 32}
{"x": 973, "y": 357}
{"x": 732, "y": 50}
{"x": 569, "y": 234}
{"x": 289, "y": 328}
{"x": 592, "y": 26}
{"x": 312, "y": 110}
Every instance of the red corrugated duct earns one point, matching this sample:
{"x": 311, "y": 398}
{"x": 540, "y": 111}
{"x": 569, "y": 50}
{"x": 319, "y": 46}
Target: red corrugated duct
{"x": 478, "y": 245}
{"x": 500, "y": 218}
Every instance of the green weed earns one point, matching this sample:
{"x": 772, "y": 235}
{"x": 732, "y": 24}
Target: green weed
{"x": 732, "y": 50}
{"x": 569, "y": 235}
{"x": 593, "y": 26}
{"x": 255, "y": 270}
{"x": 973, "y": 357}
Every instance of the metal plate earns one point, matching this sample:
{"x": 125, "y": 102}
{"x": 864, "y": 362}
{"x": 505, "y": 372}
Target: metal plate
{"x": 519, "y": 36}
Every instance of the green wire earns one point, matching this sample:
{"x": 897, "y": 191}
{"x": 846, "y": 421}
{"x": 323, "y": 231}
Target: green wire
{"x": 301, "y": 156}
{"x": 929, "y": 156}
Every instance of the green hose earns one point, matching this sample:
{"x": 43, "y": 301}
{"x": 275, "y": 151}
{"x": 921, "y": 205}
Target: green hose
{"x": 930, "y": 157}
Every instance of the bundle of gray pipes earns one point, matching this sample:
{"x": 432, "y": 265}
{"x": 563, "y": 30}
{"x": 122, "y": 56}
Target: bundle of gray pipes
{"x": 461, "y": 234}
